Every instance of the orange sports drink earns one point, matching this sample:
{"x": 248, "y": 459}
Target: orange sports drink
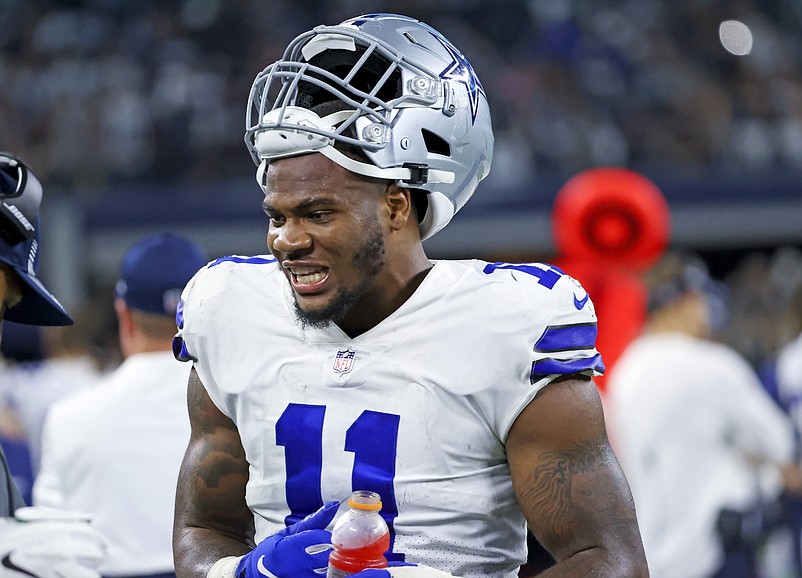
{"x": 360, "y": 537}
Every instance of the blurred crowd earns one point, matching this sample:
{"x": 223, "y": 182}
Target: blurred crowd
{"x": 763, "y": 297}
{"x": 104, "y": 93}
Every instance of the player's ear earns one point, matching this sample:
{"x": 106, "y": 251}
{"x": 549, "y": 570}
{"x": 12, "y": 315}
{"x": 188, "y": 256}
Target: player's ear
{"x": 399, "y": 204}
{"x": 124, "y": 316}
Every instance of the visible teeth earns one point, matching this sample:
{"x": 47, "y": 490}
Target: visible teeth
{"x": 307, "y": 278}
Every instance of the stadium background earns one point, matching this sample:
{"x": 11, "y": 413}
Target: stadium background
{"x": 132, "y": 114}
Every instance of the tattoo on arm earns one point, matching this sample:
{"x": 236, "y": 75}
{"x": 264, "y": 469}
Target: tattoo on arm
{"x": 212, "y": 519}
{"x": 571, "y": 487}
{"x": 559, "y": 477}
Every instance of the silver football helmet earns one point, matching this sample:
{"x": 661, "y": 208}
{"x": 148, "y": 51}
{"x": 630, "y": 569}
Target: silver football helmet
{"x": 384, "y": 96}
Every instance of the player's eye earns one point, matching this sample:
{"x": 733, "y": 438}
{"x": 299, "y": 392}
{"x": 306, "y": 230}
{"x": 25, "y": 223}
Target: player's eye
{"x": 275, "y": 220}
{"x": 319, "y": 215}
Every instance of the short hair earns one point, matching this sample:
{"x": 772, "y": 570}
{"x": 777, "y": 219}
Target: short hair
{"x": 154, "y": 325}
{"x": 674, "y": 275}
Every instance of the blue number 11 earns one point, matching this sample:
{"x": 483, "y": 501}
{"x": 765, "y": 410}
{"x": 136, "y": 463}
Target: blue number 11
{"x": 372, "y": 438}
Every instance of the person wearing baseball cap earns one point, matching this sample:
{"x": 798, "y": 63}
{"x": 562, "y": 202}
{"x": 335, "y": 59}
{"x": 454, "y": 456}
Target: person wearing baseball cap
{"x": 21, "y": 194}
{"x": 695, "y": 431}
{"x": 152, "y": 275}
{"x": 34, "y": 541}
{"x": 117, "y": 446}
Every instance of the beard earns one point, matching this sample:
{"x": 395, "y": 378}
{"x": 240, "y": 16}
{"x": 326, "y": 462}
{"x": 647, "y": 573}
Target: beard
{"x": 367, "y": 261}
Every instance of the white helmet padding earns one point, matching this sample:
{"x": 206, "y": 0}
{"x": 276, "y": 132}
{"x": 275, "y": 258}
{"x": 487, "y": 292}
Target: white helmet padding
{"x": 288, "y": 139}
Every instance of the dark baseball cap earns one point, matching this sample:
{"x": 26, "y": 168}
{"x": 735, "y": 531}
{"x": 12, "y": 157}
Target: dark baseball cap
{"x": 20, "y": 196}
{"x": 155, "y": 270}
{"x": 38, "y": 305}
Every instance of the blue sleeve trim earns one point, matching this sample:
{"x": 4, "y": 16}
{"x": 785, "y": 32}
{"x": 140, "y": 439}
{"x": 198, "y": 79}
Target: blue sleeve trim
{"x": 180, "y": 351}
{"x": 567, "y": 337}
{"x": 237, "y": 259}
{"x": 546, "y": 367}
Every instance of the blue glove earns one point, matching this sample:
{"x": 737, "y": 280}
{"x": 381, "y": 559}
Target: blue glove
{"x": 295, "y": 552}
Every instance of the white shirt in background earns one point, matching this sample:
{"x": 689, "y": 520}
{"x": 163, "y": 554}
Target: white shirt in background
{"x": 686, "y": 419}
{"x": 114, "y": 451}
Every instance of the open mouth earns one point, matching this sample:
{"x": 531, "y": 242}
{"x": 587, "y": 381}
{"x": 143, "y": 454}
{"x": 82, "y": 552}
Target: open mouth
{"x": 308, "y": 279}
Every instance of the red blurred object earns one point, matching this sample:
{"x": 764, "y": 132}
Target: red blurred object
{"x": 612, "y": 216}
{"x": 610, "y": 224}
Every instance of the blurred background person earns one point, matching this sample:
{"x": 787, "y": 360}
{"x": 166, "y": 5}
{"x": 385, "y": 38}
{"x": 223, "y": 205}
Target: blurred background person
{"x": 786, "y": 369}
{"x": 70, "y": 363}
{"x": 114, "y": 450}
{"x": 784, "y": 377}
{"x": 705, "y": 449}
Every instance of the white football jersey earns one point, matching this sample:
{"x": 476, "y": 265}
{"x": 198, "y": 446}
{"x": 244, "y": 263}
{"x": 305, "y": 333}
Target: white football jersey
{"x": 417, "y": 409}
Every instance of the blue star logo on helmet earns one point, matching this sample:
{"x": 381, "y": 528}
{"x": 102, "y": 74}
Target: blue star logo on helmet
{"x": 461, "y": 71}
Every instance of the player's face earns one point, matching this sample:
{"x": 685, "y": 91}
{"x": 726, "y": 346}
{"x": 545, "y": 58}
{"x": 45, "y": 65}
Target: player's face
{"x": 326, "y": 233}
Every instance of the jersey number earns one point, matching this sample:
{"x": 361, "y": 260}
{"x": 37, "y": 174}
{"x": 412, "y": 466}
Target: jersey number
{"x": 372, "y": 438}
{"x": 547, "y": 276}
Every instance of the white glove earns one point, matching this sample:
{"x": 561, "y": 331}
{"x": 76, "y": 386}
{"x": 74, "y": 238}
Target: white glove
{"x": 49, "y": 543}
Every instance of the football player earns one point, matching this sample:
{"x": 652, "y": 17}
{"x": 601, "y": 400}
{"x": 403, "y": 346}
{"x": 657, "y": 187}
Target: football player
{"x": 346, "y": 359}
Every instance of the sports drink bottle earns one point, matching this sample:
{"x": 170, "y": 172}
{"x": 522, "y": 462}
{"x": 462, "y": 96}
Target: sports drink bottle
{"x": 360, "y": 537}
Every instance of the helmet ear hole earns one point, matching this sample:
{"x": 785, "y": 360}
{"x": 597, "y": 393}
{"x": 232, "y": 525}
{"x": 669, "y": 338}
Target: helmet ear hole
{"x": 420, "y": 200}
{"x": 435, "y": 144}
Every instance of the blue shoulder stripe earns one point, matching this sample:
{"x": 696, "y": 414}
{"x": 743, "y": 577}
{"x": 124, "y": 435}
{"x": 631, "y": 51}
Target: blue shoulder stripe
{"x": 563, "y": 337}
{"x": 545, "y": 367}
{"x": 180, "y": 351}
{"x": 238, "y": 259}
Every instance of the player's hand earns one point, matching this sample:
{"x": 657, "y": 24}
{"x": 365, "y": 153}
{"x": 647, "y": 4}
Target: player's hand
{"x": 48, "y": 543}
{"x": 299, "y": 551}
{"x": 402, "y": 570}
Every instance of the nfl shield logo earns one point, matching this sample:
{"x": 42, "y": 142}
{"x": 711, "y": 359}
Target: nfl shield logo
{"x": 344, "y": 361}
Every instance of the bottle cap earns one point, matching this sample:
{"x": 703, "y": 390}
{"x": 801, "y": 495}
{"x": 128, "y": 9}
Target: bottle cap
{"x": 365, "y": 500}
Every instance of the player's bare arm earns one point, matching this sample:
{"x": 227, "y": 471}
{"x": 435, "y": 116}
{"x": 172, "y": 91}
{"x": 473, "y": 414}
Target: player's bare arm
{"x": 571, "y": 487}
{"x": 212, "y": 520}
